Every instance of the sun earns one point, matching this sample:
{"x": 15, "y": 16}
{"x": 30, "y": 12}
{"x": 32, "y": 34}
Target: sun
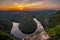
{"x": 21, "y": 7}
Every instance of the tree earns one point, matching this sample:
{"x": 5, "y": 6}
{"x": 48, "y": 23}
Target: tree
{"x": 27, "y": 24}
{"x": 5, "y": 25}
{"x": 6, "y": 36}
{"x": 54, "y": 26}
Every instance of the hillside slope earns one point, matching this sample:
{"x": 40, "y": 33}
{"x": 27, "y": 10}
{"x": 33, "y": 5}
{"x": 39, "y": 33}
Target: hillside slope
{"x": 53, "y": 27}
{"x": 5, "y": 28}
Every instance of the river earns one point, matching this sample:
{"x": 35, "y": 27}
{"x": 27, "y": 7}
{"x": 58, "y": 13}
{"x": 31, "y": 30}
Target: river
{"x": 17, "y": 33}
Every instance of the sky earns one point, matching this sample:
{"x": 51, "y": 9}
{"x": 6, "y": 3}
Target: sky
{"x": 29, "y": 4}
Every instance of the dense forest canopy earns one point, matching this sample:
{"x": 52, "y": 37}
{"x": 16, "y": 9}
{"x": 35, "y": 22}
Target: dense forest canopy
{"x": 54, "y": 26}
{"x": 28, "y": 25}
{"x": 5, "y": 24}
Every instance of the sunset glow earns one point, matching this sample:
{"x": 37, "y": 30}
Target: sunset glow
{"x": 27, "y": 5}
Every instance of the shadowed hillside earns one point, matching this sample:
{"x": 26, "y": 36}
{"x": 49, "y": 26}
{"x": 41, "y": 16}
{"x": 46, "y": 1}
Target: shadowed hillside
{"x": 5, "y": 28}
{"x": 53, "y": 27}
{"x": 51, "y": 22}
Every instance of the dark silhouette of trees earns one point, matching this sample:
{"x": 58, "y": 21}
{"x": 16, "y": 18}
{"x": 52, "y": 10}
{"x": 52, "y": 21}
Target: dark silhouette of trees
{"x": 27, "y": 24}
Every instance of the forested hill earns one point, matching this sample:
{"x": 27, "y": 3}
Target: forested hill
{"x": 54, "y": 19}
{"x": 32, "y": 13}
{"x": 41, "y": 12}
{"x": 6, "y": 18}
{"x": 53, "y": 26}
{"x": 16, "y": 15}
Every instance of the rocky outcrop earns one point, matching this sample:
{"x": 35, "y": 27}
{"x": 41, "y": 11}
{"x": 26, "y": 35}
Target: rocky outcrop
{"x": 42, "y": 36}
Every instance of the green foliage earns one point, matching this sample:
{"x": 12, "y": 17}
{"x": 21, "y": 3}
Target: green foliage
{"x": 5, "y": 25}
{"x": 55, "y": 32}
{"x": 58, "y": 12}
{"x": 27, "y": 24}
{"x": 54, "y": 26}
{"x": 5, "y": 29}
{"x": 54, "y": 20}
{"x": 6, "y": 36}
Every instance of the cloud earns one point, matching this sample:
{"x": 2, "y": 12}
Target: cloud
{"x": 55, "y": 1}
{"x": 5, "y": 2}
{"x": 32, "y": 2}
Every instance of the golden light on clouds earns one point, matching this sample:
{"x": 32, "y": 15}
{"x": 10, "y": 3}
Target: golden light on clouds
{"x": 34, "y": 6}
{"x": 29, "y": 4}
{"x": 19, "y": 6}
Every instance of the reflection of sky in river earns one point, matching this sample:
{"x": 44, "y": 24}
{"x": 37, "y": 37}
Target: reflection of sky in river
{"x": 17, "y": 33}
